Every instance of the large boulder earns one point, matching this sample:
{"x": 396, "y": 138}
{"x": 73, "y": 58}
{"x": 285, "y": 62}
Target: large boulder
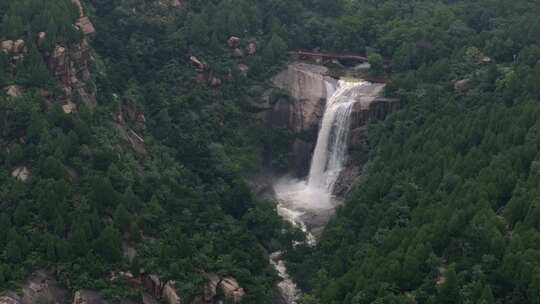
{"x": 10, "y": 298}
{"x": 233, "y": 42}
{"x": 85, "y": 25}
{"x": 21, "y": 173}
{"x": 6, "y": 46}
{"x": 238, "y": 53}
{"x": 88, "y": 297}
{"x": 232, "y": 290}
{"x": 41, "y": 287}
{"x": 244, "y": 69}
{"x": 252, "y": 48}
{"x": 13, "y": 90}
{"x": 18, "y": 46}
{"x": 461, "y": 86}
{"x": 42, "y": 37}
{"x": 170, "y": 294}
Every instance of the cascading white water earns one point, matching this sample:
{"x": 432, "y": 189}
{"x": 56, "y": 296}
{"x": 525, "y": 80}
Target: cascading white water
{"x": 331, "y": 149}
{"x": 313, "y": 199}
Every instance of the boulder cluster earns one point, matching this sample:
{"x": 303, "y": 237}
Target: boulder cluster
{"x": 206, "y": 76}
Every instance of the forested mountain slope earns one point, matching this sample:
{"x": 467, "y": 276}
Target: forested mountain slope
{"x": 125, "y": 141}
{"x": 128, "y": 129}
{"x": 448, "y": 211}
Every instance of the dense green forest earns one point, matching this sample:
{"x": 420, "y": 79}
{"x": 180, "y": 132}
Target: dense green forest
{"x": 447, "y": 212}
{"x": 181, "y": 200}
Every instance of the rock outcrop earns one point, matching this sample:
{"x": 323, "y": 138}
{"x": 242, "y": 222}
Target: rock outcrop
{"x": 13, "y": 90}
{"x": 87, "y": 297}
{"x": 21, "y": 173}
{"x": 10, "y": 298}
{"x": 308, "y": 86}
{"x": 41, "y": 287}
{"x": 71, "y": 67}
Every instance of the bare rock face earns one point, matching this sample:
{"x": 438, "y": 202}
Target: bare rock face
{"x": 42, "y": 36}
{"x": 232, "y": 290}
{"x": 233, "y": 42}
{"x": 85, "y": 25}
{"x": 10, "y": 298}
{"x": 13, "y": 90}
{"x": 462, "y": 85}
{"x": 244, "y": 69}
{"x": 88, "y": 297}
{"x": 238, "y": 53}
{"x": 309, "y": 86}
{"x": 197, "y": 63}
{"x": 71, "y": 67}
{"x": 6, "y": 46}
{"x": 21, "y": 173}
{"x": 170, "y": 294}
{"x": 18, "y": 46}
{"x": 215, "y": 82}
{"x": 251, "y": 48}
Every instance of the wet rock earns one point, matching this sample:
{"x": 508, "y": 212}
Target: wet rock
{"x": 233, "y": 42}
{"x": 21, "y": 173}
{"x": 301, "y": 156}
{"x": 372, "y": 109}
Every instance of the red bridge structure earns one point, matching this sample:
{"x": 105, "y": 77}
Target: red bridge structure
{"x": 321, "y": 57}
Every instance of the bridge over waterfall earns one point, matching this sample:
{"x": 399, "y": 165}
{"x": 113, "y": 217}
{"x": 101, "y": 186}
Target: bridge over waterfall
{"x": 321, "y": 57}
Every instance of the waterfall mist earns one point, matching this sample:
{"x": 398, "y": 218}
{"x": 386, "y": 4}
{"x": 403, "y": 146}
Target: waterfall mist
{"x": 308, "y": 204}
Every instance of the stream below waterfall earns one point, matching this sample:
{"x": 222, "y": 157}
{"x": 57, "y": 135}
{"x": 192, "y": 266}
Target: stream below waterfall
{"x": 309, "y": 204}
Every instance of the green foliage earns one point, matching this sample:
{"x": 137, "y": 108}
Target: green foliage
{"x": 377, "y": 64}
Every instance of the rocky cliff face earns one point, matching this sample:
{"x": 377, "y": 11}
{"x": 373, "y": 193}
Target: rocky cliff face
{"x": 308, "y": 86}
{"x": 362, "y": 115}
{"x": 71, "y": 66}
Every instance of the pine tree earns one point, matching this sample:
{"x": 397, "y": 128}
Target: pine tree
{"x": 51, "y": 250}
{"x": 487, "y": 296}
{"x": 108, "y": 245}
{"x": 449, "y": 290}
{"x": 13, "y": 252}
{"x": 79, "y": 241}
{"x": 122, "y": 218}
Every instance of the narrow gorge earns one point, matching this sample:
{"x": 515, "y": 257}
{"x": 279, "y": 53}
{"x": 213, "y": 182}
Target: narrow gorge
{"x": 329, "y": 117}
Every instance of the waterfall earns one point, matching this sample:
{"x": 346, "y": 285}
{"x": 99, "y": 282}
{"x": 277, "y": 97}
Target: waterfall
{"x": 309, "y": 204}
{"x": 331, "y": 149}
